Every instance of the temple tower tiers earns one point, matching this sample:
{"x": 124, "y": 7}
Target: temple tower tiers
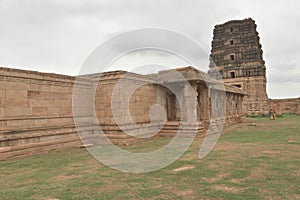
{"x": 237, "y": 58}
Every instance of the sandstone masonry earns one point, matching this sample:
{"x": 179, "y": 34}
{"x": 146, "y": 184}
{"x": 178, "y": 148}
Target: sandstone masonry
{"x": 37, "y": 115}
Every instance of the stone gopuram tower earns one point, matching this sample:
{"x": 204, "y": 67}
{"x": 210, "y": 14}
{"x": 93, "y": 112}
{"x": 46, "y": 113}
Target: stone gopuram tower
{"x": 236, "y": 57}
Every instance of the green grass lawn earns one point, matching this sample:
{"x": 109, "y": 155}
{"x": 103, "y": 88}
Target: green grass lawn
{"x": 248, "y": 162}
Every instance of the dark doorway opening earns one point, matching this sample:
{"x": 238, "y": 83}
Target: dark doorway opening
{"x": 171, "y": 107}
{"x": 232, "y": 74}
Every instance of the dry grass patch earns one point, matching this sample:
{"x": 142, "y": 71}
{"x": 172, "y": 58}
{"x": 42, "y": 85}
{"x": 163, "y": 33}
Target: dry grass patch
{"x": 228, "y": 188}
{"x": 184, "y": 193}
{"x": 183, "y": 168}
{"x": 216, "y": 178}
{"x": 65, "y": 178}
{"x": 259, "y": 173}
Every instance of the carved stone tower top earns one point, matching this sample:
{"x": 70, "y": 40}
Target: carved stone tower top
{"x": 236, "y": 50}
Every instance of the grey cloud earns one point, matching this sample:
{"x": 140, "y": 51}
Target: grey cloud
{"x": 57, "y": 36}
{"x": 284, "y": 72}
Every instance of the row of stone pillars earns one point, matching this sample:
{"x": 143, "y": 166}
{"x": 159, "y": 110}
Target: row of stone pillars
{"x": 191, "y": 103}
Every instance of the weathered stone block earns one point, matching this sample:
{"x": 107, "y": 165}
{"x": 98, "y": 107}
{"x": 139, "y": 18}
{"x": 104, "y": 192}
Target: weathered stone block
{"x": 15, "y": 102}
{"x": 17, "y": 111}
{"x": 16, "y": 94}
{"x": 39, "y": 87}
{"x": 40, "y": 103}
{"x": 1, "y": 113}
{"x": 40, "y": 111}
{"x": 17, "y": 86}
{"x": 54, "y": 111}
{"x": 2, "y": 93}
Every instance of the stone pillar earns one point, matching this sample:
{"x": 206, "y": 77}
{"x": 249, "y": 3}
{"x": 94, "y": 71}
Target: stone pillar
{"x": 213, "y": 103}
{"x": 241, "y": 105}
{"x": 203, "y": 93}
{"x": 232, "y": 104}
{"x": 235, "y": 104}
{"x": 217, "y": 106}
{"x": 190, "y": 103}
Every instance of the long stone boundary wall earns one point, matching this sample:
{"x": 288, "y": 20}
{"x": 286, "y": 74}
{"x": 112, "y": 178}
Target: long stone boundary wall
{"x": 281, "y": 106}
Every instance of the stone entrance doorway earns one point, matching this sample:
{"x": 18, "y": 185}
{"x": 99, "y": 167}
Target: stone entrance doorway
{"x": 171, "y": 107}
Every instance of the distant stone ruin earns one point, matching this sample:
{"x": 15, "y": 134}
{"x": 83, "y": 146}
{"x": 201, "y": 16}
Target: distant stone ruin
{"x": 291, "y": 105}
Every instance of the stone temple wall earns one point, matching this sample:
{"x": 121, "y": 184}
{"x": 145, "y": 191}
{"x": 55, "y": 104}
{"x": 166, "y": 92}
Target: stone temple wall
{"x": 115, "y": 89}
{"x": 228, "y": 103}
{"x": 256, "y": 99}
{"x": 282, "y": 106}
{"x": 123, "y": 104}
{"x": 36, "y": 112}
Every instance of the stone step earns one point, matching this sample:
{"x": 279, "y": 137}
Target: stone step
{"x": 37, "y": 135}
{"x": 37, "y": 148}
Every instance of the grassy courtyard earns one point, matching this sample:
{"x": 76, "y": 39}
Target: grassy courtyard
{"x": 248, "y": 162}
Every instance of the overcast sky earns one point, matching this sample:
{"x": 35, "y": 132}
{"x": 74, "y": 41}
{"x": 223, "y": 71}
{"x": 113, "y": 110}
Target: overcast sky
{"x": 58, "y": 35}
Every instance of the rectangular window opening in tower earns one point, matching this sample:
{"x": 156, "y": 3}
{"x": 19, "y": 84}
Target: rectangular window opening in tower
{"x": 231, "y": 57}
{"x": 231, "y": 29}
{"x": 231, "y": 42}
